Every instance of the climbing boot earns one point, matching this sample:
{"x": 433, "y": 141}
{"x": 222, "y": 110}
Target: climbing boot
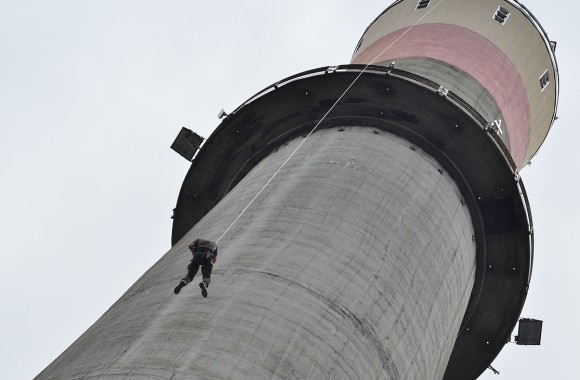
{"x": 177, "y": 289}
{"x": 203, "y": 287}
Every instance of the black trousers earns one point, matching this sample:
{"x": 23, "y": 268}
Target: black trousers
{"x": 193, "y": 267}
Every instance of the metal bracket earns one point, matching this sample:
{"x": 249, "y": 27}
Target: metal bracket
{"x": 495, "y": 371}
{"x": 222, "y": 113}
{"x": 494, "y": 126}
{"x": 443, "y": 91}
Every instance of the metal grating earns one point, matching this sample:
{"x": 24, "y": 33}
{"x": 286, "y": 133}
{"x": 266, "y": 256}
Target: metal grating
{"x": 501, "y": 15}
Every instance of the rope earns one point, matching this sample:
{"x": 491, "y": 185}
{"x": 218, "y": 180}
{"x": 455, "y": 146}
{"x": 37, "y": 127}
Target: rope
{"x": 325, "y": 115}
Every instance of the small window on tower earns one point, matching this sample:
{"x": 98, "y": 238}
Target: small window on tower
{"x": 545, "y": 80}
{"x": 422, "y": 4}
{"x": 501, "y": 15}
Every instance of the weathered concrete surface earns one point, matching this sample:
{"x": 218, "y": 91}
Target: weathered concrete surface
{"x": 357, "y": 262}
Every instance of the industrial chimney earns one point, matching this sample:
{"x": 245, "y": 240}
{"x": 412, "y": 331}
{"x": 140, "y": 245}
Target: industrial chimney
{"x": 370, "y": 216}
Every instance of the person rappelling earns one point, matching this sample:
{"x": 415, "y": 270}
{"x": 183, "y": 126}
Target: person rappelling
{"x": 205, "y": 255}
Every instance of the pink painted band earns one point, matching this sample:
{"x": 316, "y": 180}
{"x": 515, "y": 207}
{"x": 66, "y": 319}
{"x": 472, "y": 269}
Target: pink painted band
{"x": 473, "y": 54}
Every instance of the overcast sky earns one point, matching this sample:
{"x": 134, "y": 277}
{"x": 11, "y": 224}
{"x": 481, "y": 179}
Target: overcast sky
{"x": 92, "y": 94}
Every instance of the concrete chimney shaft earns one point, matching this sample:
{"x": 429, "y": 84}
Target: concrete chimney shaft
{"x": 356, "y": 262}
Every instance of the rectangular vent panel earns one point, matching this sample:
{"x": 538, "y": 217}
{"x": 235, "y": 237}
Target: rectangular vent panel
{"x": 501, "y": 15}
{"x": 545, "y": 80}
{"x": 423, "y": 4}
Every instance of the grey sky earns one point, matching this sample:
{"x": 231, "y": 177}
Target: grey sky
{"x": 92, "y": 94}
